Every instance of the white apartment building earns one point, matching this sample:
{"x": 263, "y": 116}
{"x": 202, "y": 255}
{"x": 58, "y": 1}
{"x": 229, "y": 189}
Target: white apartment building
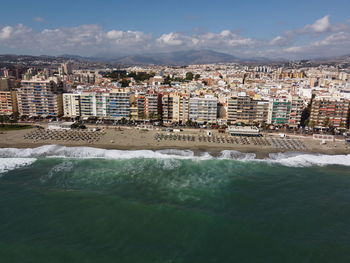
{"x": 114, "y": 104}
{"x": 203, "y": 109}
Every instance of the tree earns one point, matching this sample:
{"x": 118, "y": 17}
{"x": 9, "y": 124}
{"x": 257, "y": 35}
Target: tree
{"x": 141, "y": 115}
{"x": 189, "y": 76}
{"x": 152, "y": 115}
{"x": 125, "y": 83}
{"x": 4, "y": 118}
{"x": 326, "y": 122}
{"x": 197, "y": 76}
{"x": 167, "y": 80}
{"x": 312, "y": 125}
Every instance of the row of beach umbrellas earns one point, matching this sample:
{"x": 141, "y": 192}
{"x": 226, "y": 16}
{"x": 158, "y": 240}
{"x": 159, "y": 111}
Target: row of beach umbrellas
{"x": 65, "y": 135}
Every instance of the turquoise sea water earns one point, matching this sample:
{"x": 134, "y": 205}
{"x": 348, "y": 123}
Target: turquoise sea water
{"x": 61, "y": 205}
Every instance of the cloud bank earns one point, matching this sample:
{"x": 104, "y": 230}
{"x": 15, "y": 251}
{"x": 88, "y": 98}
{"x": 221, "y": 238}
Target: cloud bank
{"x": 320, "y": 38}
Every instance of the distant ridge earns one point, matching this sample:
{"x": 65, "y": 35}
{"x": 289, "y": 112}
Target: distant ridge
{"x": 178, "y": 58}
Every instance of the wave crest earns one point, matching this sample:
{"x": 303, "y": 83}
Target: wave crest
{"x": 293, "y": 159}
{"x": 8, "y": 164}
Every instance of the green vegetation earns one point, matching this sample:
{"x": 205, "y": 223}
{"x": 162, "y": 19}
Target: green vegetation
{"x": 122, "y": 75}
{"x": 125, "y": 83}
{"x": 140, "y": 76}
{"x": 189, "y": 76}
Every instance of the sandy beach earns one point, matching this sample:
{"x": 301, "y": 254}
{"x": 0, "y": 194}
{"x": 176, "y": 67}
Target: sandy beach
{"x": 126, "y": 138}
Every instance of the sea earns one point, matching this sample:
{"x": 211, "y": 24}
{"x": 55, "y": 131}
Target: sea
{"x": 81, "y": 204}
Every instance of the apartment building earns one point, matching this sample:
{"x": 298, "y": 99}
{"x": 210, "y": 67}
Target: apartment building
{"x": 40, "y": 97}
{"x": 118, "y": 104}
{"x": 168, "y": 108}
{"x": 175, "y": 108}
{"x": 203, "y": 110}
{"x": 149, "y": 106}
{"x": 71, "y": 105}
{"x": 244, "y": 109}
{"x": 296, "y": 110}
{"x": 8, "y": 102}
{"x": 279, "y": 111}
{"x": 329, "y": 111}
{"x": 7, "y": 84}
{"x": 115, "y": 104}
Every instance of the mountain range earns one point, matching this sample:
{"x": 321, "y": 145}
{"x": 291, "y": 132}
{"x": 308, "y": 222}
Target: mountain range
{"x": 176, "y": 58}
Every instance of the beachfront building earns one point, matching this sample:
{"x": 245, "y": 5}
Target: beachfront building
{"x": 168, "y": 108}
{"x": 149, "y": 106}
{"x": 153, "y": 106}
{"x": 328, "y": 111}
{"x": 279, "y": 111}
{"x": 114, "y": 104}
{"x": 244, "y": 109}
{"x": 140, "y": 105}
{"x": 8, "y": 102}
{"x": 71, "y": 105}
{"x": 118, "y": 104}
{"x": 296, "y": 110}
{"x": 40, "y": 97}
{"x": 175, "y": 107}
{"x": 203, "y": 109}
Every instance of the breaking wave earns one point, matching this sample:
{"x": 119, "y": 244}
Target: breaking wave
{"x": 304, "y": 160}
{"x": 8, "y": 164}
{"x": 13, "y": 157}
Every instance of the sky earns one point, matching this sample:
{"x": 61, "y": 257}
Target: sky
{"x": 275, "y": 29}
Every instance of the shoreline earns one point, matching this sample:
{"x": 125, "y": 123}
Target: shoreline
{"x": 215, "y": 151}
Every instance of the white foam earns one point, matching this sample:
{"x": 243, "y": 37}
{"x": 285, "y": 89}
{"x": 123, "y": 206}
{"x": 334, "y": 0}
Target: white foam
{"x": 305, "y": 160}
{"x": 89, "y": 152}
{"x": 236, "y": 155}
{"x": 8, "y": 164}
{"x": 287, "y": 159}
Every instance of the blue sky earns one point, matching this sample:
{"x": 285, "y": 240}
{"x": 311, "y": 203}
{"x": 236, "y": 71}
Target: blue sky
{"x": 246, "y": 28}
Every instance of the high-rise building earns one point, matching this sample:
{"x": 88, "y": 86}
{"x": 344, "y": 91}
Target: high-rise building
{"x": 168, "y": 105}
{"x": 296, "y": 110}
{"x": 153, "y": 106}
{"x": 203, "y": 110}
{"x": 7, "y": 84}
{"x": 8, "y": 102}
{"x": 71, "y": 105}
{"x": 40, "y": 97}
{"x": 244, "y": 109}
{"x": 118, "y": 104}
{"x": 279, "y": 111}
{"x": 114, "y": 104}
{"x": 175, "y": 108}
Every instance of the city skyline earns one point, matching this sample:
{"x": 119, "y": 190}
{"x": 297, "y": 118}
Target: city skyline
{"x": 296, "y": 30}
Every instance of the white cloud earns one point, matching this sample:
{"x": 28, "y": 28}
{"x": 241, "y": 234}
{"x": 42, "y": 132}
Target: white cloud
{"x": 93, "y": 39}
{"x": 280, "y": 41}
{"x": 5, "y": 32}
{"x": 222, "y": 40}
{"x": 84, "y": 39}
{"x": 321, "y": 25}
{"x": 334, "y": 39}
{"x": 176, "y": 39}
